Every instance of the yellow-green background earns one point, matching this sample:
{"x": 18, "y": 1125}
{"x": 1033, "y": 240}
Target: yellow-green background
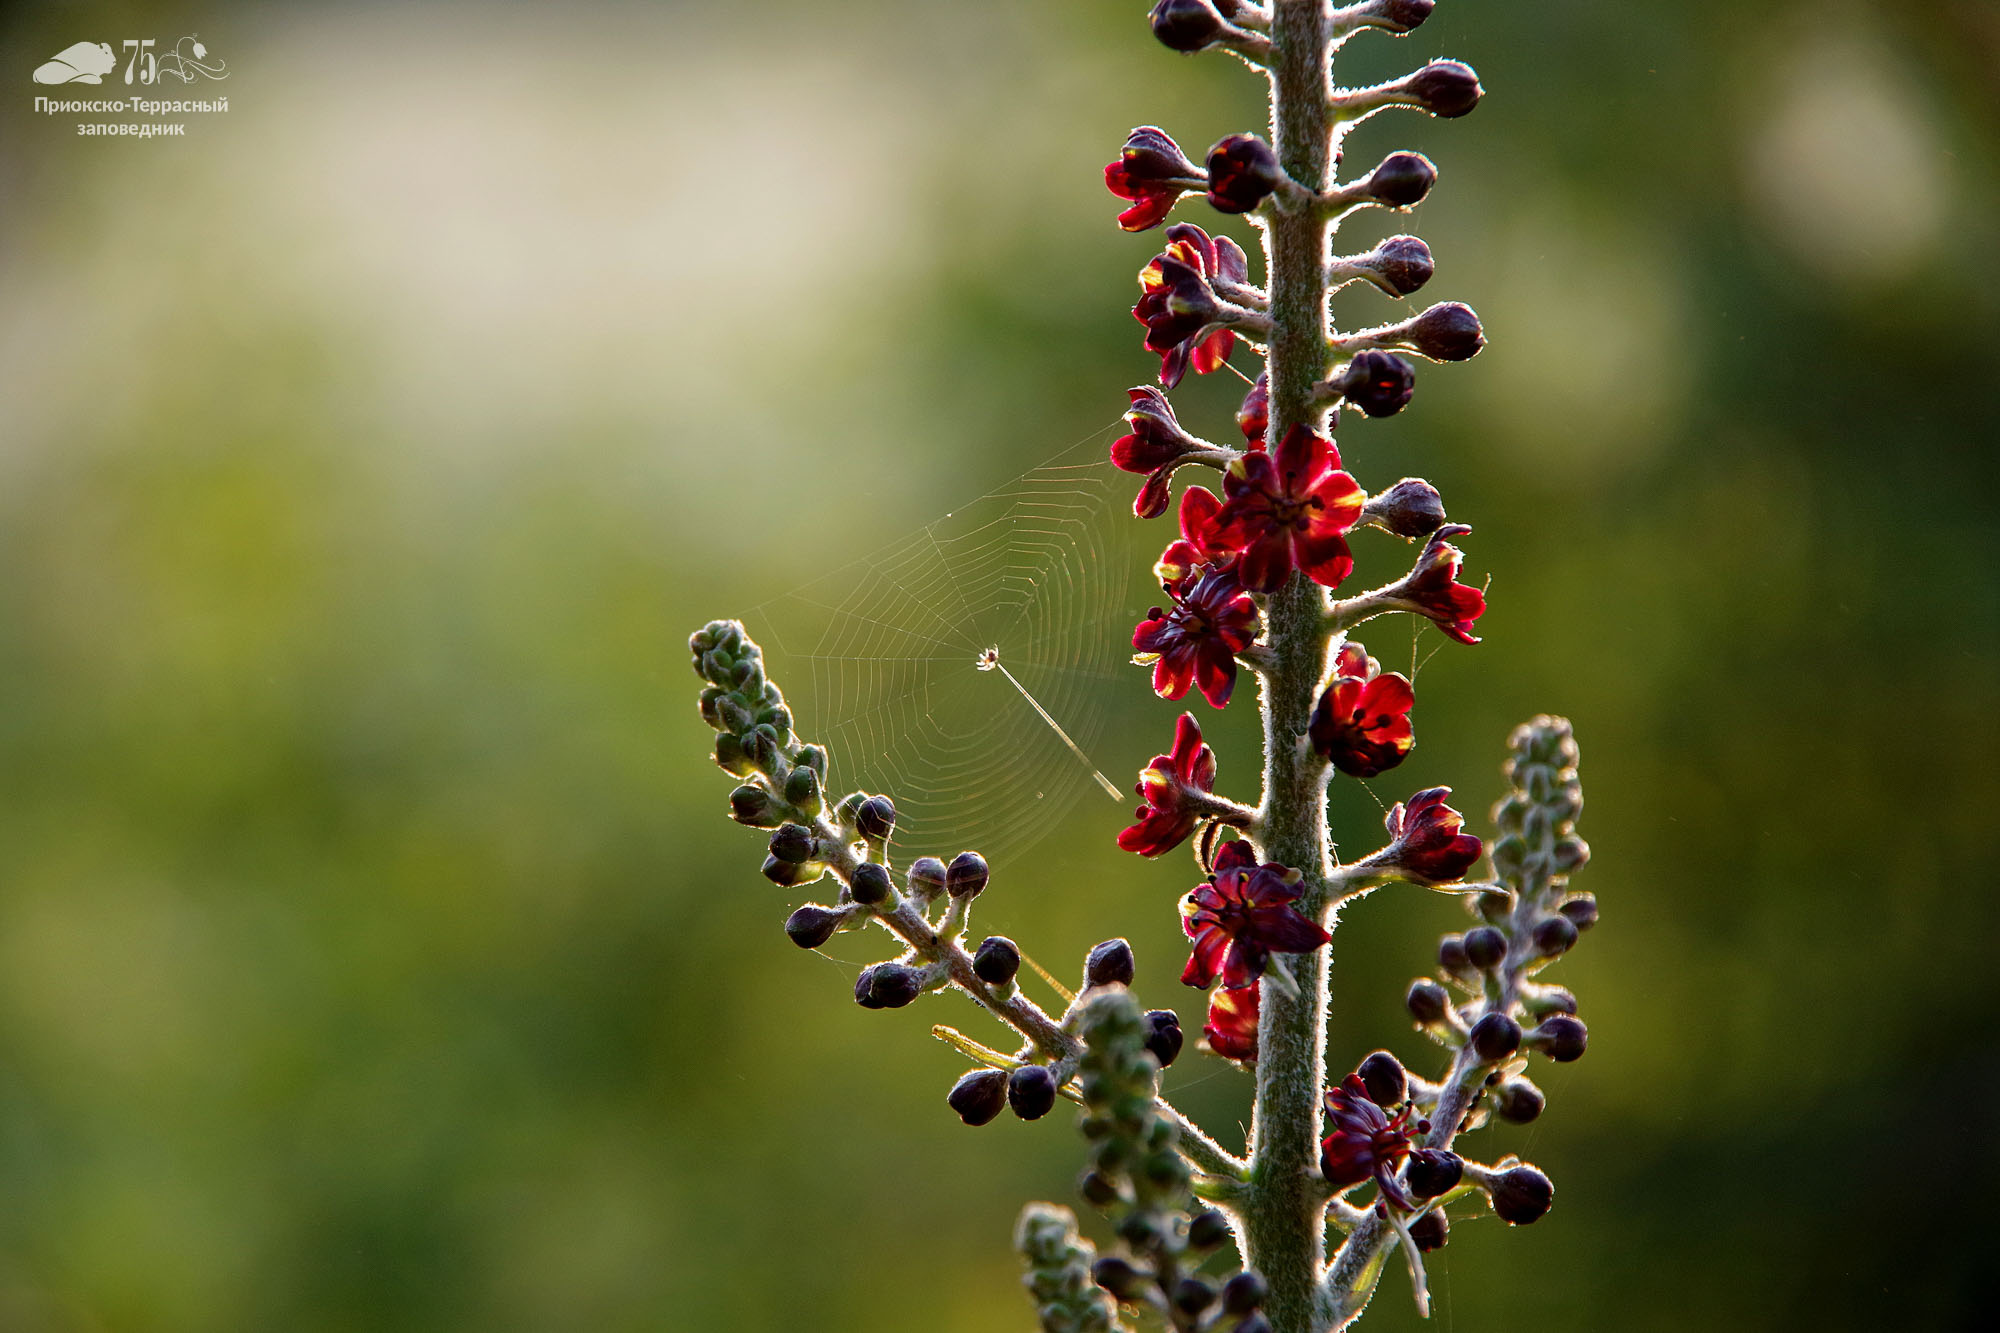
{"x": 374, "y": 954}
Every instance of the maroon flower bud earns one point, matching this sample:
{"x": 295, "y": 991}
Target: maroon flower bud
{"x": 1187, "y": 26}
{"x": 1518, "y": 1101}
{"x": 1551, "y": 1000}
{"x": 1209, "y": 1230}
{"x": 1109, "y": 964}
{"x": 1433, "y": 1171}
{"x": 1427, "y": 1001}
{"x": 1428, "y": 846}
{"x": 1120, "y": 1278}
{"x": 925, "y": 877}
{"x": 1399, "y": 265}
{"x": 1192, "y": 1295}
{"x": 996, "y": 960}
{"x": 1522, "y": 1195}
{"x": 1554, "y": 935}
{"x": 1378, "y": 383}
{"x": 787, "y": 874}
{"x": 1155, "y": 446}
{"x": 1232, "y": 1022}
{"x": 1485, "y": 948}
{"x": 792, "y": 842}
{"x": 1031, "y": 1091}
{"x": 1242, "y": 173}
{"x": 1153, "y": 172}
{"x": 979, "y": 1095}
{"x": 1581, "y": 911}
{"x": 1448, "y": 331}
{"x": 1254, "y": 417}
{"x": 1432, "y": 589}
{"x": 1495, "y": 1037}
{"x": 1398, "y": 16}
{"x": 1402, "y": 180}
{"x": 966, "y": 876}
{"x": 1561, "y": 1037}
{"x": 1244, "y": 1292}
{"x": 1163, "y": 1035}
{"x": 1411, "y": 508}
{"x": 870, "y": 884}
{"x": 1383, "y": 1075}
{"x": 1431, "y": 1231}
{"x": 1445, "y": 88}
{"x": 812, "y": 925}
{"x": 887, "y": 986}
{"x": 876, "y": 819}
{"x": 1452, "y": 957}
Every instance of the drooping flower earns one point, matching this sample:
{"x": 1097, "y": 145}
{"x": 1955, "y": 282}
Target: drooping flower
{"x": 1362, "y": 721}
{"x": 1242, "y": 916}
{"x": 1242, "y": 172}
{"x": 1428, "y": 845}
{"x": 1186, "y": 322}
{"x": 1153, "y": 172}
{"x": 1167, "y": 817}
{"x": 1432, "y": 588}
{"x": 1155, "y": 447}
{"x": 1366, "y": 1143}
{"x": 1232, "y": 1021}
{"x": 1289, "y": 510}
{"x": 1197, "y": 544}
{"x": 1254, "y": 417}
{"x": 1196, "y": 642}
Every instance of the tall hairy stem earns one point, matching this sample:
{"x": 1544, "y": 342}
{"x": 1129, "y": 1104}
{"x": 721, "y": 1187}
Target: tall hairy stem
{"x": 1282, "y": 1215}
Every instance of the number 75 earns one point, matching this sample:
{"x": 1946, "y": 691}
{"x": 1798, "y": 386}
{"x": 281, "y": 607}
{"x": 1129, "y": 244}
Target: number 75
{"x": 141, "y": 50}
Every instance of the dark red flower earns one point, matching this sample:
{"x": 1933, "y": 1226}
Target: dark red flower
{"x": 1196, "y": 642}
{"x": 1366, "y": 1143}
{"x": 1232, "y": 1021}
{"x": 1288, "y": 510}
{"x": 1362, "y": 721}
{"x": 1186, "y": 322}
{"x": 1155, "y": 447}
{"x": 1242, "y": 172}
{"x": 1432, "y": 587}
{"x": 1166, "y": 819}
{"x": 1427, "y": 844}
{"x": 1153, "y": 172}
{"x": 1197, "y": 544}
{"x": 1242, "y": 916}
{"x": 1254, "y": 417}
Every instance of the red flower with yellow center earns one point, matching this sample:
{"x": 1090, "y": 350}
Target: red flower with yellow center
{"x": 1242, "y": 916}
{"x": 1197, "y": 545}
{"x": 1289, "y": 510}
{"x": 1362, "y": 721}
{"x": 1432, "y": 588}
{"x": 1429, "y": 847}
{"x": 1186, "y": 322}
{"x": 1153, "y": 173}
{"x": 1167, "y": 817}
{"x": 1232, "y": 1021}
{"x": 1365, "y": 1143}
{"x": 1196, "y": 642}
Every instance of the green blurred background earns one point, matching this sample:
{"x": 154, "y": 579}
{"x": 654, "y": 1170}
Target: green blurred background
{"x": 374, "y": 953}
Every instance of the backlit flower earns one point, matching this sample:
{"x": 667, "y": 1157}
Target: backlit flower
{"x": 1287, "y": 510}
{"x": 1186, "y": 322}
{"x": 1366, "y": 1143}
{"x": 1362, "y": 721}
{"x": 1432, "y": 588}
{"x": 1232, "y": 1021}
{"x": 1196, "y": 642}
{"x": 1167, "y": 817}
{"x": 1197, "y": 544}
{"x": 1153, "y": 172}
{"x": 1428, "y": 846}
{"x": 1155, "y": 447}
{"x": 1254, "y": 417}
{"x": 1242, "y": 916}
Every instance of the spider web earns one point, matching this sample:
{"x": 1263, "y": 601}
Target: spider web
{"x": 1047, "y": 570}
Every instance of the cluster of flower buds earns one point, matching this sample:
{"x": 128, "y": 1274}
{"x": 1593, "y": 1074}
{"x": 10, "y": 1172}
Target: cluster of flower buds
{"x": 1142, "y": 1183}
{"x": 1058, "y": 1261}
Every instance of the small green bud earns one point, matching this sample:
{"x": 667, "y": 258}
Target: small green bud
{"x": 729, "y": 756}
{"x": 754, "y": 806}
{"x": 711, "y": 710}
{"x": 802, "y": 791}
{"x": 792, "y": 842}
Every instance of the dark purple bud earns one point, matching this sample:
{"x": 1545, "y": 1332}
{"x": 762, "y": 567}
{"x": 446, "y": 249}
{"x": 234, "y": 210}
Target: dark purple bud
{"x": 1581, "y": 911}
{"x": 1186, "y": 25}
{"x": 1518, "y": 1101}
{"x": 784, "y": 874}
{"x": 1412, "y": 508}
{"x": 1404, "y": 264}
{"x": 886, "y": 986}
{"x": 1031, "y": 1091}
{"x": 965, "y": 877}
{"x": 1192, "y": 1295}
{"x": 1242, "y": 173}
{"x": 1109, "y": 964}
{"x": 1433, "y": 1171}
{"x": 1384, "y": 1077}
{"x": 1570, "y": 853}
{"x": 1120, "y": 1278}
{"x": 996, "y": 960}
{"x": 1485, "y": 948}
{"x": 876, "y": 818}
{"x": 925, "y": 877}
{"x": 1431, "y": 1231}
{"x": 1446, "y": 88}
{"x": 1379, "y": 383}
{"x": 1243, "y": 1293}
{"x": 1495, "y": 1037}
{"x": 1163, "y": 1035}
{"x": 812, "y": 925}
{"x": 1098, "y": 1190}
{"x": 1209, "y": 1230}
{"x": 1452, "y": 956}
{"x": 870, "y": 884}
{"x": 1554, "y": 936}
{"x": 792, "y": 842}
{"x": 753, "y": 806}
{"x": 1427, "y": 1001}
{"x": 1401, "y": 16}
{"x": 1448, "y": 331}
{"x": 1402, "y": 180}
{"x": 979, "y": 1095}
{"x": 1561, "y": 1037}
{"x": 1522, "y": 1195}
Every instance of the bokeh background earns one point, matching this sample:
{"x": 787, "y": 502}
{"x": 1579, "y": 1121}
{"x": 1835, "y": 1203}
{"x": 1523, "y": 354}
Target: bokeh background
{"x": 374, "y": 953}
